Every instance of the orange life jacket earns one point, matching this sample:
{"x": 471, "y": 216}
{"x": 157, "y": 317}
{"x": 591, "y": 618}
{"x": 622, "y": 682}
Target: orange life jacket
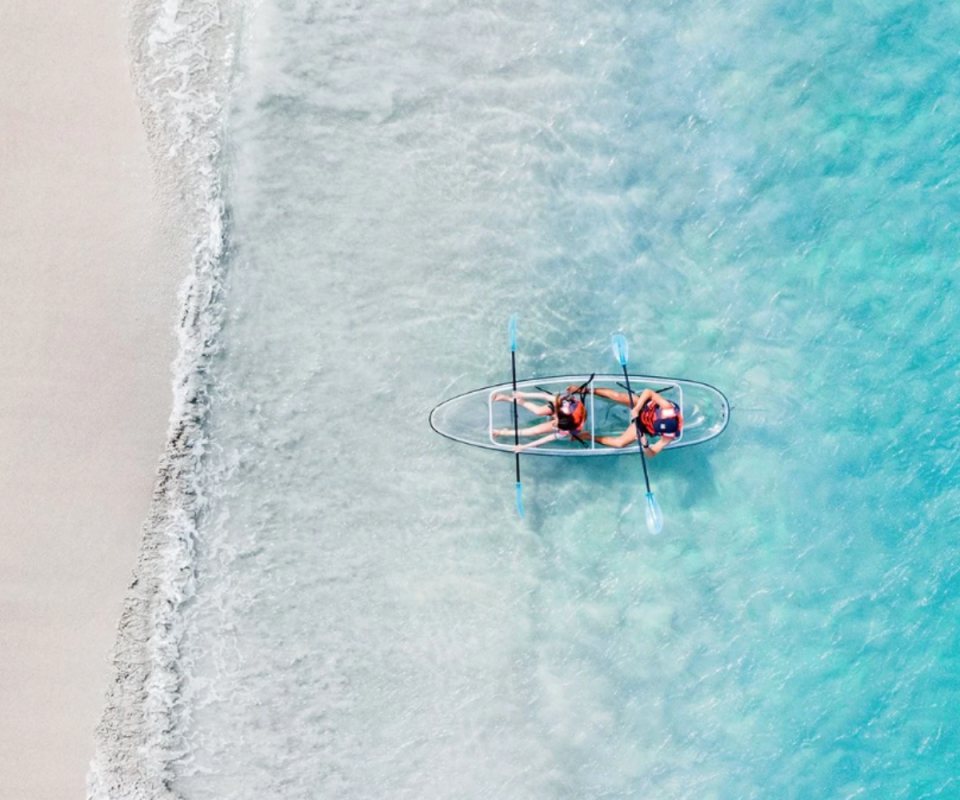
{"x": 665, "y": 422}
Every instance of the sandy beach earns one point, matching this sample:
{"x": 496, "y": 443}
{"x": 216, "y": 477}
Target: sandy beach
{"x": 88, "y": 287}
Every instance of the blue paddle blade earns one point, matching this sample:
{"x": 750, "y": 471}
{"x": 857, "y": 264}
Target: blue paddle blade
{"x": 654, "y": 515}
{"x": 620, "y": 349}
{"x": 513, "y": 337}
{"x": 519, "y": 499}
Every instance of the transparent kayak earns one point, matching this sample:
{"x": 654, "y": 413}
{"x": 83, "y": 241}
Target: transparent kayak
{"x": 472, "y": 417}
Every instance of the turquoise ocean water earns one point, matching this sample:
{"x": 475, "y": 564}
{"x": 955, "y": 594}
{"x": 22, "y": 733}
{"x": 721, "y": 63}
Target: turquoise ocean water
{"x": 335, "y": 602}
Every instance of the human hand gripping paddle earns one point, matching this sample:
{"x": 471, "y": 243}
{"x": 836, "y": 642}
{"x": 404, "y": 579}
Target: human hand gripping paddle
{"x": 654, "y": 514}
{"x": 516, "y": 425}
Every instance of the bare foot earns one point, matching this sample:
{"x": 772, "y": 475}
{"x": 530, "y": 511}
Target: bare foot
{"x": 502, "y": 397}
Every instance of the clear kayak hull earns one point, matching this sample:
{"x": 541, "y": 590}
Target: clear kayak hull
{"x": 472, "y": 417}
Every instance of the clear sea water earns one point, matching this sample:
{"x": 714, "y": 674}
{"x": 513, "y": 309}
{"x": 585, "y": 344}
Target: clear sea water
{"x": 334, "y": 602}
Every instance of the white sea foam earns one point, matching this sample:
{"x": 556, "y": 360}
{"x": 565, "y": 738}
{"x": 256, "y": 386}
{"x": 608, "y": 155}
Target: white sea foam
{"x": 182, "y": 59}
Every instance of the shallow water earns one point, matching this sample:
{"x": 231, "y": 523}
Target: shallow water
{"x": 757, "y": 195}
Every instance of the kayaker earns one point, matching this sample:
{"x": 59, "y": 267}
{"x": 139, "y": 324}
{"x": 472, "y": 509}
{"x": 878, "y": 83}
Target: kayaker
{"x": 567, "y": 412}
{"x": 659, "y": 418}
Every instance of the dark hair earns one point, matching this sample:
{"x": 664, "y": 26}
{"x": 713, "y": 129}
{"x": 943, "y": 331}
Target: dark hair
{"x": 566, "y": 423}
{"x": 565, "y": 420}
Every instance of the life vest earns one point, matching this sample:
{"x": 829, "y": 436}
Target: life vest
{"x": 571, "y": 412}
{"x": 665, "y": 422}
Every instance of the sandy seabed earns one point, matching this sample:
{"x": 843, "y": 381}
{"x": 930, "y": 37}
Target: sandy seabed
{"x": 88, "y": 272}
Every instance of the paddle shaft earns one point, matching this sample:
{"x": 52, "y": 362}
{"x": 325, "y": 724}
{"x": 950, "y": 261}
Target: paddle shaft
{"x": 516, "y": 423}
{"x": 636, "y": 422}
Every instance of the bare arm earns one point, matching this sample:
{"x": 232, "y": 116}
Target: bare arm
{"x": 647, "y": 396}
{"x": 651, "y": 450}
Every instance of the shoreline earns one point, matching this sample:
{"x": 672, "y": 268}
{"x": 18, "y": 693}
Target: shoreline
{"x": 92, "y": 264}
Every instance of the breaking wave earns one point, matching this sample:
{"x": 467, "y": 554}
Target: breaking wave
{"x": 182, "y": 53}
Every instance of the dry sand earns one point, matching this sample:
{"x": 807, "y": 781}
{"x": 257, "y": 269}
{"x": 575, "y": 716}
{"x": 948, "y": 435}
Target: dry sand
{"x": 87, "y": 308}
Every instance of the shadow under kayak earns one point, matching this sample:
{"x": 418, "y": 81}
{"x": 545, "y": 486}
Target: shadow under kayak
{"x": 470, "y": 418}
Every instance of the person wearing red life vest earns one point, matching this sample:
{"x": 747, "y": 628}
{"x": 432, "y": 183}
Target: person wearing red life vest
{"x": 658, "y": 418}
{"x": 567, "y": 412}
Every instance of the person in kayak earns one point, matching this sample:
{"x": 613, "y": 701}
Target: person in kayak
{"x": 567, "y": 412}
{"x": 658, "y": 416}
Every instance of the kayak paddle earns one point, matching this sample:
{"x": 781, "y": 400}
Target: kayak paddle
{"x": 654, "y": 514}
{"x": 516, "y": 424}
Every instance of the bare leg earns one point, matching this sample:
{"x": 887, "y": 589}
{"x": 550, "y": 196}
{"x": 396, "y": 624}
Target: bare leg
{"x": 629, "y": 436}
{"x": 536, "y": 430}
{"x": 540, "y": 411}
{"x": 617, "y": 397}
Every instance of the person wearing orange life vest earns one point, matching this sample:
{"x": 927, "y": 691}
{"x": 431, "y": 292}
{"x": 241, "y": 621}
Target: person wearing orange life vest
{"x": 658, "y": 418}
{"x": 567, "y": 413}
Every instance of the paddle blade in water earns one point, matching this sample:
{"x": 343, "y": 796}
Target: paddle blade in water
{"x": 520, "y": 500}
{"x": 654, "y": 515}
{"x": 513, "y": 337}
{"x": 620, "y": 349}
